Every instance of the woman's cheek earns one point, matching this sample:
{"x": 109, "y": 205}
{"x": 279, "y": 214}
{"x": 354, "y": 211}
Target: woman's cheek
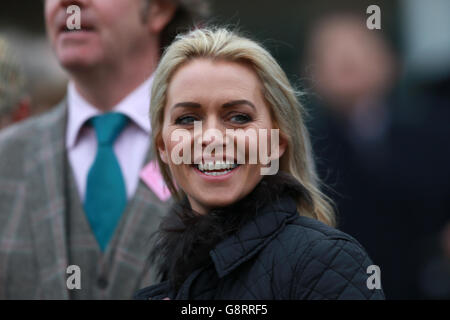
{"x": 178, "y": 147}
{"x": 246, "y": 147}
{"x": 254, "y": 145}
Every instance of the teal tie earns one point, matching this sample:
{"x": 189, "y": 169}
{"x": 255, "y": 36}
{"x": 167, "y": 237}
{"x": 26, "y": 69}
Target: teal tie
{"x": 106, "y": 196}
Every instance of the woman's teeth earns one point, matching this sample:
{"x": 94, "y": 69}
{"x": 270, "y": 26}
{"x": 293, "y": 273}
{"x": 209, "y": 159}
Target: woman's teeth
{"x": 216, "y": 169}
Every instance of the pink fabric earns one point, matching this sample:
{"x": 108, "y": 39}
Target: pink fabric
{"x": 152, "y": 177}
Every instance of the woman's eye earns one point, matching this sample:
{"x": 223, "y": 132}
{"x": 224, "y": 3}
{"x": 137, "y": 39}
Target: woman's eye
{"x": 185, "y": 120}
{"x": 240, "y": 118}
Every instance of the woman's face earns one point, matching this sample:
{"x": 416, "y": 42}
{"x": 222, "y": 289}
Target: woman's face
{"x": 223, "y": 96}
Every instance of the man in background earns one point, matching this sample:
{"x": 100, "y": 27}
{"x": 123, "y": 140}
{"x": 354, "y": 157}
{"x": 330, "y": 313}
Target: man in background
{"x": 357, "y": 145}
{"x": 75, "y": 185}
{"x": 389, "y": 170}
{"x": 14, "y": 103}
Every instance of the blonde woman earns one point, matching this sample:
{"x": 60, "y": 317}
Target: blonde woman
{"x": 240, "y": 228}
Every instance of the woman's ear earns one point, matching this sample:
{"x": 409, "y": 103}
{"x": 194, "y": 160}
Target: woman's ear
{"x": 160, "y": 14}
{"x": 161, "y": 149}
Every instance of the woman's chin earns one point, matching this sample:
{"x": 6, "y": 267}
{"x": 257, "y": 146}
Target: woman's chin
{"x": 212, "y": 201}
{"x": 214, "y": 192}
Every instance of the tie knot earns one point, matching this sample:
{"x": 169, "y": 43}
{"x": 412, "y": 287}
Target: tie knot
{"x": 108, "y": 126}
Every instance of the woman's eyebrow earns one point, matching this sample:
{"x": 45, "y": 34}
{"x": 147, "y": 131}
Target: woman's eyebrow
{"x": 238, "y": 102}
{"x": 186, "y": 104}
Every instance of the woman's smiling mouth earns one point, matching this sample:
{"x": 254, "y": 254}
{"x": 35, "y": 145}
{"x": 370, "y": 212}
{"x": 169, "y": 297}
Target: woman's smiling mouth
{"x": 218, "y": 168}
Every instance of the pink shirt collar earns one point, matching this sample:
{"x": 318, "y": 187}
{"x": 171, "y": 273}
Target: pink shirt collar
{"x": 136, "y": 106}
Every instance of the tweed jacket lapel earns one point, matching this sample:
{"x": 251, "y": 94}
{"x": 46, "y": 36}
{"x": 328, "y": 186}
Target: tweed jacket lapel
{"x": 46, "y": 202}
{"x": 132, "y": 243}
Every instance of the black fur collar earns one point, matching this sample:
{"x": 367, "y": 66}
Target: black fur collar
{"x": 185, "y": 238}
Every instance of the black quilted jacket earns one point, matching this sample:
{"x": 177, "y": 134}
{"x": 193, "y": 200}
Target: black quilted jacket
{"x": 278, "y": 255}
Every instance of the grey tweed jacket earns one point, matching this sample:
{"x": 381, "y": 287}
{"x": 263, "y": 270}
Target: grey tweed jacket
{"x": 33, "y": 244}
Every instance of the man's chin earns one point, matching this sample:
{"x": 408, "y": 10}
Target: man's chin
{"x": 77, "y": 61}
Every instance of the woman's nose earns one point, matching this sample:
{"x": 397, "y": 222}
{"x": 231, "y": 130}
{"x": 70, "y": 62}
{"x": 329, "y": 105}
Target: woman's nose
{"x": 211, "y": 123}
{"x": 212, "y": 132}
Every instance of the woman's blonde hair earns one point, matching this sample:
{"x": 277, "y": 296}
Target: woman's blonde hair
{"x": 222, "y": 44}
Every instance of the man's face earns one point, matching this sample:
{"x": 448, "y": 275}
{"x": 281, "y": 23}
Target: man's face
{"x": 111, "y": 32}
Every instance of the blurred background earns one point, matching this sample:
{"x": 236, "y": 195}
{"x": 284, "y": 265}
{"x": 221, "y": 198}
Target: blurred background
{"x": 378, "y": 105}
